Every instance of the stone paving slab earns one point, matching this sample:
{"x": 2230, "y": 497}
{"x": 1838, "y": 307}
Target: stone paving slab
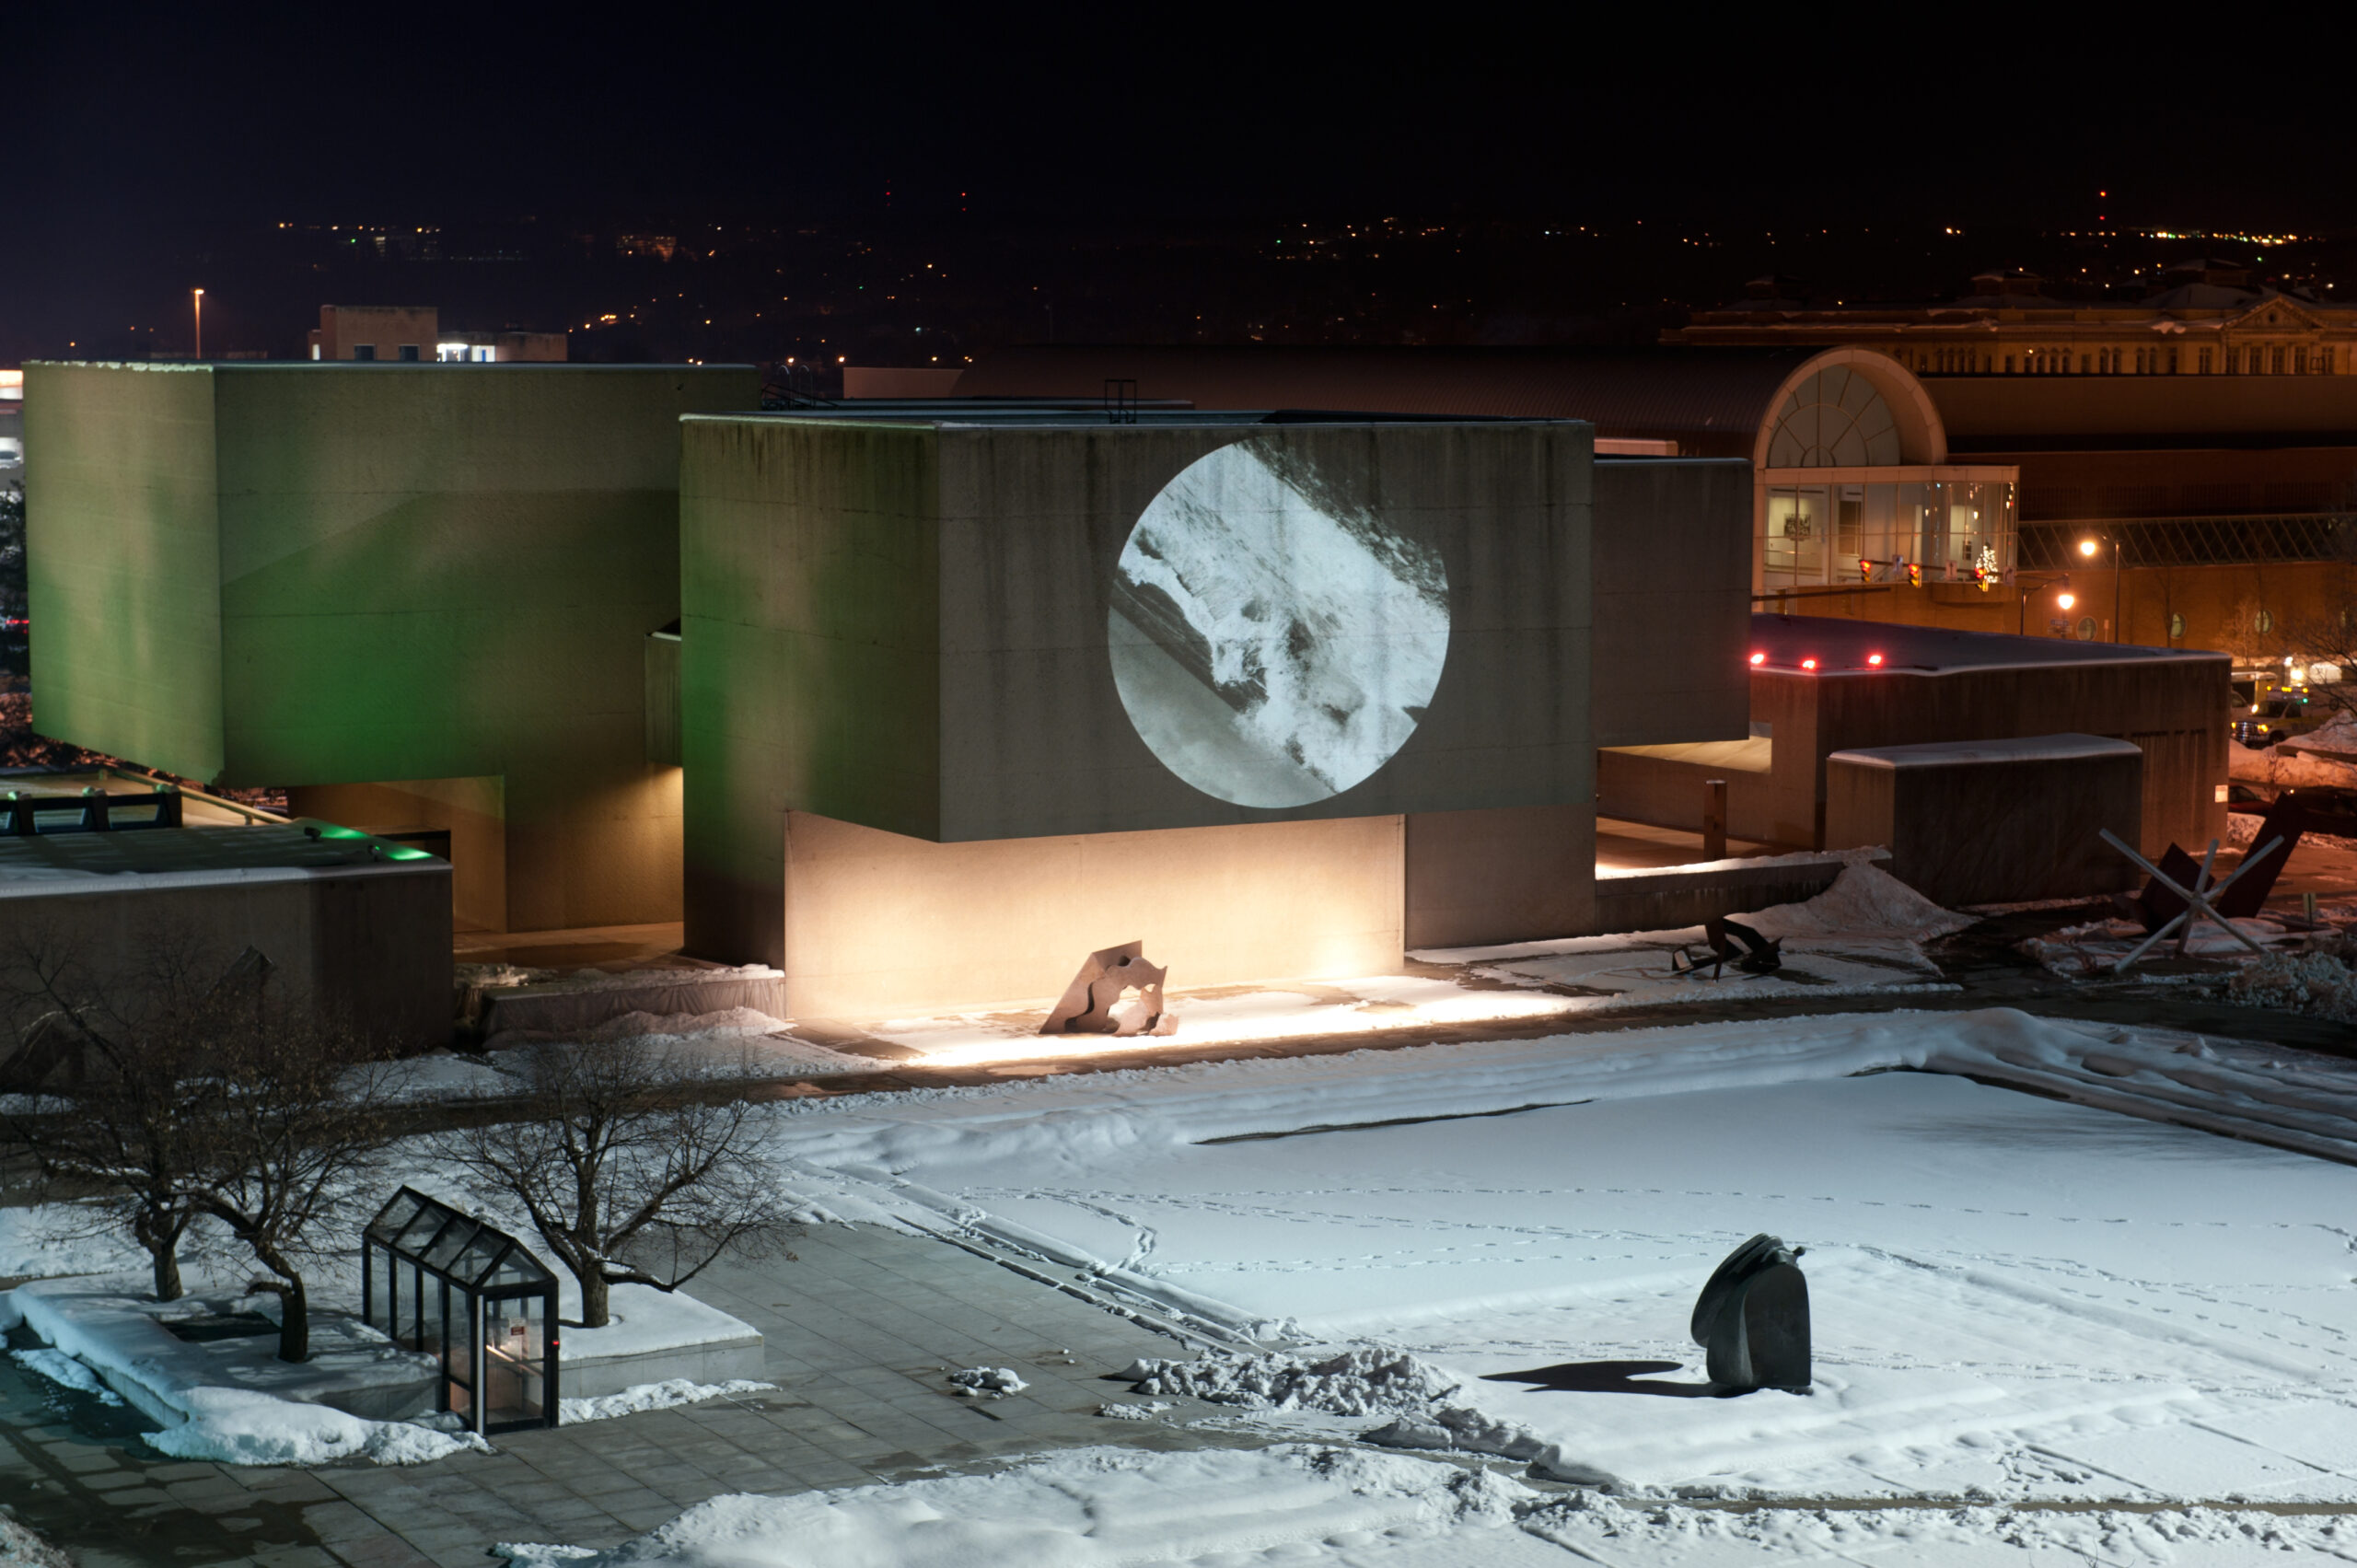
{"x": 860, "y": 1334}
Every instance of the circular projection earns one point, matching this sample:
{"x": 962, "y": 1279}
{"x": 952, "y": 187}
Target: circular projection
{"x": 1274, "y": 640}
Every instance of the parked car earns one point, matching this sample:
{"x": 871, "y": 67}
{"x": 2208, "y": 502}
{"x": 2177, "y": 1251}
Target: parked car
{"x": 2256, "y": 734}
{"x": 2330, "y": 809}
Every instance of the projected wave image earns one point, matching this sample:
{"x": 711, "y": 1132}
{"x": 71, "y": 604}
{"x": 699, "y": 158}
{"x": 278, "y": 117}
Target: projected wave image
{"x": 1273, "y": 640}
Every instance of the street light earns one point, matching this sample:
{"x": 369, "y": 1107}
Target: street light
{"x": 197, "y": 299}
{"x": 2089, "y": 548}
{"x": 2065, "y": 601}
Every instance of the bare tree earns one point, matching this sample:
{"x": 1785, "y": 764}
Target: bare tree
{"x": 299, "y": 1128}
{"x": 118, "y": 1067}
{"x": 627, "y": 1168}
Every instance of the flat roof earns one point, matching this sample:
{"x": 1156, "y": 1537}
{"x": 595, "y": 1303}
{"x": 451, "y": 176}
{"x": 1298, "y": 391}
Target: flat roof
{"x": 1956, "y": 753}
{"x": 950, "y": 413}
{"x": 1842, "y": 647}
{"x": 302, "y": 847}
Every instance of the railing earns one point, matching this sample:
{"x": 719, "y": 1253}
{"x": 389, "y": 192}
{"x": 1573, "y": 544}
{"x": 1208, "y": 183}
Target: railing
{"x": 2189, "y": 541}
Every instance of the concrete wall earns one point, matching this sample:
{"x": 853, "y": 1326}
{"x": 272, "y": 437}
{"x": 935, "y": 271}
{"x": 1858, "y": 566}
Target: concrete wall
{"x": 878, "y": 923}
{"x": 1670, "y": 576}
{"x": 1512, "y": 874}
{"x": 907, "y": 628}
{"x": 1970, "y": 831}
{"x": 369, "y": 944}
{"x": 423, "y": 573}
{"x": 472, "y": 811}
{"x": 2175, "y": 711}
{"x": 122, "y": 556}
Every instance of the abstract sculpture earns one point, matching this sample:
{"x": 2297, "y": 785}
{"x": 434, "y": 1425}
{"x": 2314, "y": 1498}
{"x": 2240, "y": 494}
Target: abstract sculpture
{"x": 1752, "y": 1318}
{"x": 1755, "y": 955}
{"x": 1093, "y": 1002}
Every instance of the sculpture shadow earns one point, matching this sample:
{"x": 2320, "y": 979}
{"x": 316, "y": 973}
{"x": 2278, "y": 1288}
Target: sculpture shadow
{"x": 1613, "y": 1378}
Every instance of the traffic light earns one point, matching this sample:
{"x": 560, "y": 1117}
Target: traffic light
{"x": 1914, "y": 575}
{"x": 1865, "y": 570}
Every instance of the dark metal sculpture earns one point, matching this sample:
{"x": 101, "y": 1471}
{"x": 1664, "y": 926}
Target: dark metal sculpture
{"x": 1732, "y": 942}
{"x": 1752, "y": 1318}
{"x": 1093, "y": 1002}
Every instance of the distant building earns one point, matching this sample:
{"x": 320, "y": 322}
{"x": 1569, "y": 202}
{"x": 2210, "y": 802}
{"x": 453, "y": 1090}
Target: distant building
{"x": 2204, "y": 319}
{"x": 414, "y": 333}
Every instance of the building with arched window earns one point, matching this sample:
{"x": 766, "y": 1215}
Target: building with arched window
{"x": 1850, "y": 472}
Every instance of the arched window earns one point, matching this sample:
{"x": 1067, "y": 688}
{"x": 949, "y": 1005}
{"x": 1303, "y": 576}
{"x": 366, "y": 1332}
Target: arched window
{"x": 2263, "y": 622}
{"x": 2087, "y": 629}
{"x": 2177, "y": 625}
{"x": 1835, "y": 419}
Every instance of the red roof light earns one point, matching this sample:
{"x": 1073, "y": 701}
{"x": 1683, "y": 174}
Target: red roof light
{"x": 1808, "y": 664}
{"x": 1760, "y": 658}
{"x": 1873, "y": 658}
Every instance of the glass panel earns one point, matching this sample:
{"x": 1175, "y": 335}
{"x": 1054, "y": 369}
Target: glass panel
{"x": 458, "y": 1350}
{"x": 1795, "y": 542}
{"x": 479, "y": 1255}
{"x": 518, "y": 1267}
{"x": 1835, "y": 419}
{"x": 432, "y": 1333}
{"x": 395, "y": 1215}
{"x": 420, "y": 1231}
{"x": 379, "y": 1304}
{"x": 514, "y": 1364}
{"x": 1849, "y": 515}
{"x": 454, "y": 1236}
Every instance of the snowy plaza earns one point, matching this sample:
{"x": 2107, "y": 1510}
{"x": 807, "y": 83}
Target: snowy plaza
{"x": 1423, "y": 1305}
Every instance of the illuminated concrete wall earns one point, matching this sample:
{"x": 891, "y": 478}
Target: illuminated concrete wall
{"x": 304, "y": 575}
{"x": 878, "y": 923}
{"x": 1005, "y": 635}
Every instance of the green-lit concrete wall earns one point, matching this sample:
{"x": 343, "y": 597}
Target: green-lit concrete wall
{"x": 123, "y": 555}
{"x": 416, "y": 572}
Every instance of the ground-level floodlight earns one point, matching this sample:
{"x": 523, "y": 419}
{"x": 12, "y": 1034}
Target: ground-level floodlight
{"x": 1752, "y": 1318}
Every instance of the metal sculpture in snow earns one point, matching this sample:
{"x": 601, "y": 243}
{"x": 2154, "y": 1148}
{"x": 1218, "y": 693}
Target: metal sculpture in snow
{"x": 1752, "y": 1318}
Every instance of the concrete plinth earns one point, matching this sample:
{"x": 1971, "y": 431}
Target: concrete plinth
{"x": 1993, "y": 821}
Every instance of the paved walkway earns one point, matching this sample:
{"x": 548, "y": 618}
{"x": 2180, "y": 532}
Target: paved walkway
{"x": 860, "y": 1331}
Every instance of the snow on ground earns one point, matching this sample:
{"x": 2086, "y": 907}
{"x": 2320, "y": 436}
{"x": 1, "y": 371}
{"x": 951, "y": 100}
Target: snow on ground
{"x": 46, "y": 1240}
{"x": 667, "y": 1395}
{"x": 2013, "y": 1294}
{"x": 1298, "y": 1503}
{"x": 1863, "y": 935}
{"x": 1087, "y": 1507}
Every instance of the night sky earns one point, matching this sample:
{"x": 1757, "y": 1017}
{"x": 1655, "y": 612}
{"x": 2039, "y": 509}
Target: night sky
{"x": 148, "y": 136}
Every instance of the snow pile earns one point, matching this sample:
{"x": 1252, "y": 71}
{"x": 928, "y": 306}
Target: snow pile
{"x": 20, "y": 1548}
{"x": 1865, "y": 902}
{"x": 1361, "y": 1380}
{"x": 1097, "y": 1509}
{"x": 1606, "y": 1530}
{"x": 2336, "y": 737}
{"x": 237, "y": 1427}
{"x": 988, "y": 1382}
{"x": 1463, "y": 1429}
{"x": 2310, "y": 983}
{"x": 66, "y": 1372}
{"x": 663, "y": 1396}
{"x": 728, "y": 1020}
{"x": 1145, "y": 1411}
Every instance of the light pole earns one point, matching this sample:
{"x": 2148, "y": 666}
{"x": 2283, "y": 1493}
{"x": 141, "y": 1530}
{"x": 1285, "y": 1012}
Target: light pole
{"x": 197, "y": 298}
{"x": 2090, "y": 548}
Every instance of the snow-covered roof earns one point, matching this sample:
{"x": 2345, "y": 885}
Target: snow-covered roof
{"x": 2018, "y": 749}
